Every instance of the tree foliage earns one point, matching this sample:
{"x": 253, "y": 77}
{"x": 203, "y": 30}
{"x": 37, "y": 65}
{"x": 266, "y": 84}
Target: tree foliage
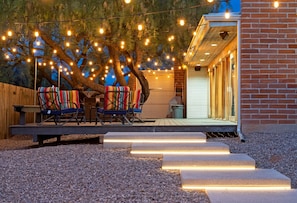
{"x": 86, "y": 54}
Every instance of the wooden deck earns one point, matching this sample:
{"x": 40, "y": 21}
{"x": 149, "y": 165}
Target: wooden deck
{"x": 157, "y": 125}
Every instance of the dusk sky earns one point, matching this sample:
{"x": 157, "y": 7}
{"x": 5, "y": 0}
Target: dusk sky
{"x": 234, "y": 6}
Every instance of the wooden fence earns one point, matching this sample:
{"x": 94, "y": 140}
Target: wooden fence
{"x": 9, "y": 96}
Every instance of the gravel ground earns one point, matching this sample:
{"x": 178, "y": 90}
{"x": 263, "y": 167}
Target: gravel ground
{"x": 80, "y": 170}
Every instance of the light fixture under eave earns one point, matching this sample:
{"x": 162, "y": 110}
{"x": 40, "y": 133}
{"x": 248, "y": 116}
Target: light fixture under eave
{"x": 227, "y": 14}
{"x": 276, "y": 4}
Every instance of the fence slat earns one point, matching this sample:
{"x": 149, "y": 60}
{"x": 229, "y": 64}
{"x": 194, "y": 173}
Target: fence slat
{"x": 11, "y": 95}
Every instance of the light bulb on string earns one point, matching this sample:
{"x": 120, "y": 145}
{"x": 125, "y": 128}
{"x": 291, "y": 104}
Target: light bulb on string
{"x": 182, "y": 22}
{"x": 140, "y": 27}
{"x": 9, "y": 33}
{"x": 127, "y": 1}
{"x": 101, "y": 31}
{"x": 209, "y": 1}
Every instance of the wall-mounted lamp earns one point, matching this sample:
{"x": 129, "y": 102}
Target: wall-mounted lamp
{"x": 276, "y": 4}
{"x": 227, "y": 14}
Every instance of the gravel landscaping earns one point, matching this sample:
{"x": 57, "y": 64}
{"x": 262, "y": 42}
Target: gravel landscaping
{"x": 80, "y": 170}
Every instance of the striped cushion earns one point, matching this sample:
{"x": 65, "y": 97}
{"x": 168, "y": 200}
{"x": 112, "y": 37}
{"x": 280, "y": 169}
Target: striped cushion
{"x": 136, "y": 98}
{"x": 48, "y": 98}
{"x": 116, "y": 98}
{"x": 69, "y": 99}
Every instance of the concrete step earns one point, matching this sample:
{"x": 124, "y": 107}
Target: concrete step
{"x": 258, "y": 179}
{"x": 158, "y": 149}
{"x": 208, "y": 162}
{"x": 284, "y": 196}
{"x": 125, "y": 139}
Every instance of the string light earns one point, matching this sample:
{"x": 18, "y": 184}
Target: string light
{"x": 9, "y": 33}
{"x": 101, "y": 31}
{"x": 182, "y": 22}
{"x": 127, "y": 1}
{"x": 140, "y": 27}
{"x": 69, "y": 33}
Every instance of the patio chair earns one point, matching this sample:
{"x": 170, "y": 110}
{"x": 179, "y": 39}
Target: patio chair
{"x": 59, "y": 105}
{"x": 116, "y": 104}
{"x": 137, "y": 101}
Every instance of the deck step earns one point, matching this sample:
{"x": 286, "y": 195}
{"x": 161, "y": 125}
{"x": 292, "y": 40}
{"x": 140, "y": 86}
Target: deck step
{"x": 158, "y": 149}
{"x": 287, "y": 196}
{"x": 258, "y": 179}
{"x": 125, "y": 139}
{"x": 208, "y": 162}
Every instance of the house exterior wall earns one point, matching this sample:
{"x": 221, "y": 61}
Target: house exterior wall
{"x": 197, "y": 93}
{"x": 268, "y": 66}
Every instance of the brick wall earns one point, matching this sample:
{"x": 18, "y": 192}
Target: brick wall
{"x": 268, "y": 66}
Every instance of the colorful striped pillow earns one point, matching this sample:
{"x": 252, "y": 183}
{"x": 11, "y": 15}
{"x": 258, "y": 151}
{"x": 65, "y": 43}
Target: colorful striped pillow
{"x": 116, "y": 98}
{"x": 48, "y": 98}
{"x": 69, "y": 99}
{"x": 136, "y": 98}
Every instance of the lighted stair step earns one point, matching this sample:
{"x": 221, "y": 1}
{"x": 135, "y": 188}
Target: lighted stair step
{"x": 208, "y": 162}
{"x": 287, "y": 196}
{"x": 258, "y": 179}
{"x": 158, "y": 149}
{"x": 125, "y": 139}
